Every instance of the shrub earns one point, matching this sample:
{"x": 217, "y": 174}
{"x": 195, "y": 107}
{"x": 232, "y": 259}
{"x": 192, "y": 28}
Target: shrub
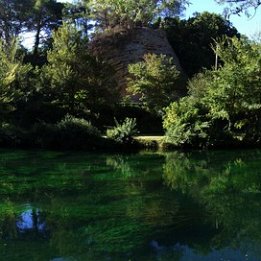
{"x": 15, "y": 136}
{"x": 77, "y": 126}
{"x": 122, "y": 133}
{"x": 77, "y": 133}
{"x": 69, "y": 133}
{"x": 224, "y": 105}
{"x": 185, "y": 123}
{"x": 147, "y": 123}
{"x": 8, "y": 135}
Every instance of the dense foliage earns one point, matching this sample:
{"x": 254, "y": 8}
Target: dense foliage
{"x": 38, "y": 16}
{"x": 69, "y": 133}
{"x": 192, "y": 39}
{"x": 239, "y": 6}
{"x": 123, "y": 133}
{"x": 77, "y": 80}
{"x": 109, "y": 13}
{"x": 13, "y": 78}
{"x": 155, "y": 81}
{"x": 59, "y": 74}
{"x": 224, "y": 105}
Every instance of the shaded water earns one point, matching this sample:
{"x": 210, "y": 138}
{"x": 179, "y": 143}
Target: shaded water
{"x": 196, "y": 206}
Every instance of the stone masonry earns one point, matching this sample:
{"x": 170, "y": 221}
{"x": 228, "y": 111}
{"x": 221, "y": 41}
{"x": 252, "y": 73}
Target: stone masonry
{"x": 125, "y": 47}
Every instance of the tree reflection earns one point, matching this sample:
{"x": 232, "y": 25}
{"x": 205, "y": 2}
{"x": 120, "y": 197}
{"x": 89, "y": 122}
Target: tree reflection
{"x": 135, "y": 206}
{"x": 227, "y": 184}
{"x": 213, "y": 172}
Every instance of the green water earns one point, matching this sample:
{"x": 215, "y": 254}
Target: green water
{"x": 196, "y": 206}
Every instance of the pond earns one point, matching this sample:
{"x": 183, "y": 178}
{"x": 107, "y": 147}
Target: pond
{"x": 186, "y": 206}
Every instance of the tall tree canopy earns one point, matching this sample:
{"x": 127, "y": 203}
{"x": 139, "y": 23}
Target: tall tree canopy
{"x": 39, "y": 16}
{"x": 75, "y": 78}
{"x": 46, "y": 15}
{"x": 109, "y": 13}
{"x": 13, "y": 78}
{"x": 155, "y": 80}
{"x": 239, "y": 6}
{"x": 13, "y": 16}
{"x": 224, "y": 105}
{"x": 192, "y": 39}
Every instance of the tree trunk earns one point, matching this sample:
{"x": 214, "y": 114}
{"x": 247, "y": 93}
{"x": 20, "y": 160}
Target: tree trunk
{"x": 37, "y": 36}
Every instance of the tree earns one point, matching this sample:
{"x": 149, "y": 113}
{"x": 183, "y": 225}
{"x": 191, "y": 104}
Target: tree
{"x": 46, "y": 16}
{"x": 109, "y": 13}
{"x": 76, "y": 14}
{"x": 13, "y": 78}
{"x": 13, "y": 17}
{"x": 227, "y": 107}
{"x": 75, "y": 78}
{"x": 235, "y": 94}
{"x": 39, "y": 17}
{"x": 155, "y": 81}
{"x": 192, "y": 39}
{"x": 239, "y": 6}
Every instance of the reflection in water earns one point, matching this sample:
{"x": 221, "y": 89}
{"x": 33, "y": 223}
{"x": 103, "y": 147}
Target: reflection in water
{"x": 228, "y": 185}
{"x": 29, "y": 223}
{"x": 175, "y": 206}
{"x": 186, "y": 253}
{"x": 30, "y": 220}
{"x": 214, "y": 172}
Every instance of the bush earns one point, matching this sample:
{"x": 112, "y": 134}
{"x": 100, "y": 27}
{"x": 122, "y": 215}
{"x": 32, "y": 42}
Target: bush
{"x": 186, "y": 123}
{"x": 76, "y": 126}
{"x": 224, "y": 105}
{"x": 9, "y": 135}
{"x": 69, "y": 133}
{"x": 15, "y": 136}
{"x": 147, "y": 123}
{"x": 122, "y": 133}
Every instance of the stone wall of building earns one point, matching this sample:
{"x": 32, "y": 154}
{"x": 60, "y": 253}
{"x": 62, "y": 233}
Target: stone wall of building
{"x": 125, "y": 47}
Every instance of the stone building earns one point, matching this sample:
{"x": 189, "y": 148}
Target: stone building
{"x": 121, "y": 47}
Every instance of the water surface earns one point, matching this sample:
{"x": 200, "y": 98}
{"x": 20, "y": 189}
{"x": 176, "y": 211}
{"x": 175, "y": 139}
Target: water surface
{"x": 196, "y": 206}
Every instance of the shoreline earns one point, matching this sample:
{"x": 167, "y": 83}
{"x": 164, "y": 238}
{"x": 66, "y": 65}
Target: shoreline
{"x": 138, "y": 143}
